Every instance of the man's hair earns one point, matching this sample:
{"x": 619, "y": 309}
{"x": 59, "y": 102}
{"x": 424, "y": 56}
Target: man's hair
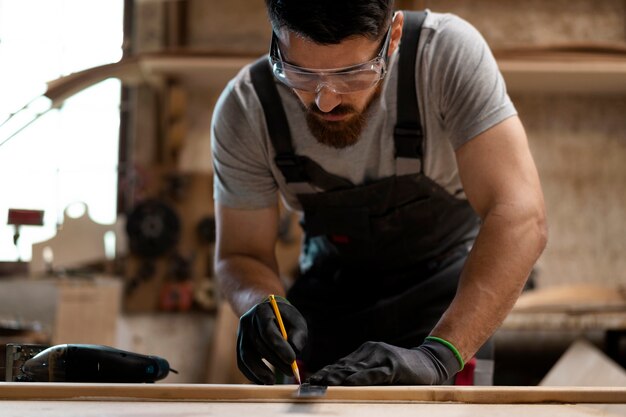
{"x": 331, "y": 21}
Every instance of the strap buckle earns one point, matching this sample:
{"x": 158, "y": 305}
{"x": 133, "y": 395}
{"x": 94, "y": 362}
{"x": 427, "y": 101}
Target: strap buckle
{"x": 291, "y": 167}
{"x": 408, "y": 141}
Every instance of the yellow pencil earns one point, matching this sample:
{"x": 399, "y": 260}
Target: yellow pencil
{"x": 294, "y": 365}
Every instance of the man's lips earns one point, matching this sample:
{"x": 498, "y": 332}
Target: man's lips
{"x": 331, "y": 117}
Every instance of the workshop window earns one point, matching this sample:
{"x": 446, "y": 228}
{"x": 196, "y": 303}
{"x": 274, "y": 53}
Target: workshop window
{"x": 71, "y": 154}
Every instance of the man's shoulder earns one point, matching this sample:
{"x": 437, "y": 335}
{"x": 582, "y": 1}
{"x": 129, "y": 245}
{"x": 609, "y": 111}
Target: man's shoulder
{"x": 240, "y": 86}
{"x": 441, "y": 22}
{"x": 451, "y": 42}
{"x": 238, "y": 97}
{"x": 447, "y": 28}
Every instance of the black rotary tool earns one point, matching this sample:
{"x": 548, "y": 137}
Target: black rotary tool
{"x": 94, "y": 363}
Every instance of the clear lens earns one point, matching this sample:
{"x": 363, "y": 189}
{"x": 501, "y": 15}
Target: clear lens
{"x": 340, "y": 80}
{"x": 349, "y": 80}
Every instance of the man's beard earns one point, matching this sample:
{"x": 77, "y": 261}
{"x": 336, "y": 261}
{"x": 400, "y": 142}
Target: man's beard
{"x": 338, "y": 134}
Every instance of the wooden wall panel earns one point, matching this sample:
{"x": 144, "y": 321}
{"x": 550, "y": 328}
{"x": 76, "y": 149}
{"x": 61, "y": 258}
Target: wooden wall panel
{"x": 579, "y": 145}
{"x": 506, "y": 23}
{"x": 234, "y": 26}
{"x": 240, "y": 26}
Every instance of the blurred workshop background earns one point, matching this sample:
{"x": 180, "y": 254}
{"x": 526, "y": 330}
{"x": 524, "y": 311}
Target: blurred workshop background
{"x": 106, "y": 214}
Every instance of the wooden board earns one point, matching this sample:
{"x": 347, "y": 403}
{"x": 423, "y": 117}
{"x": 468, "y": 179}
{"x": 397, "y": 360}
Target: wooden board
{"x": 572, "y": 298}
{"x": 573, "y": 307}
{"x": 284, "y": 393}
{"x": 584, "y": 364}
{"x": 565, "y": 321}
{"x": 139, "y": 400}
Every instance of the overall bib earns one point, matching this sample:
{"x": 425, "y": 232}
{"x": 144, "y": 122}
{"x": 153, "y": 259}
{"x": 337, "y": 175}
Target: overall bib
{"x": 380, "y": 261}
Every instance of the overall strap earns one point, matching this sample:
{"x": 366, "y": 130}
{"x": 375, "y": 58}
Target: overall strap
{"x": 301, "y": 173}
{"x": 407, "y": 134}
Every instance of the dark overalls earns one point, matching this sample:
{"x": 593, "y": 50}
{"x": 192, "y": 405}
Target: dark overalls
{"x": 380, "y": 261}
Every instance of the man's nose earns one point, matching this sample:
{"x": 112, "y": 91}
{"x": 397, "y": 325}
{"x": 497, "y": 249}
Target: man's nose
{"x": 326, "y": 99}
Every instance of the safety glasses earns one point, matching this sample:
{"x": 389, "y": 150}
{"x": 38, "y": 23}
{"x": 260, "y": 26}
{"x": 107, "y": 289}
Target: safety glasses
{"x": 340, "y": 80}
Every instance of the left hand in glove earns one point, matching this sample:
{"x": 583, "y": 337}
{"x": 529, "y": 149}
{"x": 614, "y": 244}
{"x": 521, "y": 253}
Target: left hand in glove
{"x": 377, "y": 363}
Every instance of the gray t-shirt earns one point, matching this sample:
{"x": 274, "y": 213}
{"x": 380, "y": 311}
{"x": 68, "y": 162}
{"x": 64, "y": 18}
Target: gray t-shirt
{"x": 460, "y": 91}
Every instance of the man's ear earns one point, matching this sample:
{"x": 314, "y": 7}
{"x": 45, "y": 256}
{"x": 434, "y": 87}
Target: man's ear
{"x": 396, "y": 32}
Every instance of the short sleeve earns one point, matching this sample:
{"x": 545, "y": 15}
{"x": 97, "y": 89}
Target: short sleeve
{"x": 467, "y": 84}
{"x": 242, "y": 177}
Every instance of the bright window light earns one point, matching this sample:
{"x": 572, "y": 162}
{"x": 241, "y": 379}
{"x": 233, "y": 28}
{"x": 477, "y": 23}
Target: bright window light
{"x": 68, "y": 155}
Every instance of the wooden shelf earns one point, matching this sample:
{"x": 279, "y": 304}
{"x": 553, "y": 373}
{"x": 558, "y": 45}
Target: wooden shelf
{"x": 551, "y": 73}
{"x": 571, "y": 68}
{"x": 564, "y": 76}
{"x": 214, "y": 72}
{"x": 521, "y": 74}
{"x": 530, "y": 70}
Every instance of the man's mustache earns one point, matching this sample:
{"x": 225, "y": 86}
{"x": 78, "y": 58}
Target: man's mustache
{"x": 341, "y": 110}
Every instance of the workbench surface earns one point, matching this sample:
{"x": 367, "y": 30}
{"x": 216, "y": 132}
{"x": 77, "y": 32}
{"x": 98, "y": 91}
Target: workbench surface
{"x": 155, "y": 400}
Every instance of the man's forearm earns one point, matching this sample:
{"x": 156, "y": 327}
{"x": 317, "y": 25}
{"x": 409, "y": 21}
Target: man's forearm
{"x": 493, "y": 277}
{"x": 245, "y": 281}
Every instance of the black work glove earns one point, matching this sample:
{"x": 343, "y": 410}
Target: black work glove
{"x": 377, "y": 363}
{"x": 259, "y": 337}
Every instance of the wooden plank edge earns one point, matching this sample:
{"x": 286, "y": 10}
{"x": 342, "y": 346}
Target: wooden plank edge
{"x": 284, "y": 393}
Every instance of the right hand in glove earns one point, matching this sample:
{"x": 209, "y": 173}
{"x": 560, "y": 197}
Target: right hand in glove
{"x": 259, "y": 337}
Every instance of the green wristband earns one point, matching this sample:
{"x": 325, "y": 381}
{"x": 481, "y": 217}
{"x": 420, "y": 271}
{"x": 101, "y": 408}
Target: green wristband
{"x": 451, "y": 347}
